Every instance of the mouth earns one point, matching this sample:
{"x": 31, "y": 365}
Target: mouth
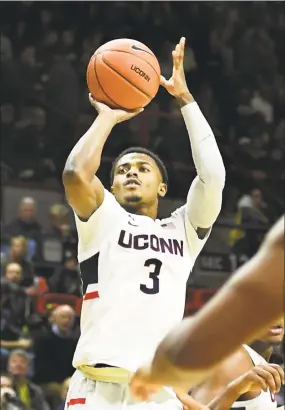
{"x": 276, "y": 330}
{"x": 132, "y": 183}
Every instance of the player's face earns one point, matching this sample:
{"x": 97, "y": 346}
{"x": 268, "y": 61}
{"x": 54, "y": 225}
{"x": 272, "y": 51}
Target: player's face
{"x": 274, "y": 334}
{"x": 137, "y": 181}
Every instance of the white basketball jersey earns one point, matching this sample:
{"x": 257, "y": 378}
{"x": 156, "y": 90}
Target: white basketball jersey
{"x": 265, "y": 400}
{"x": 134, "y": 271}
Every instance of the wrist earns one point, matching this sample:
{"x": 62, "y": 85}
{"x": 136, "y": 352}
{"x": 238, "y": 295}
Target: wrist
{"x": 233, "y": 389}
{"x": 185, "y": 98}
{"x": 109, "y": 117}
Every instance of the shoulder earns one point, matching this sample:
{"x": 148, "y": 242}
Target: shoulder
{"x": 35, "y": 389}
{"x": 180, "y": 219}
{"x": 106, "y": 209}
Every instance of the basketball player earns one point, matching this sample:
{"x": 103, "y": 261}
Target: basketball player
{"x": 135, "y": 267}
{"x": 238, "y": 366}
{"x": 258, "y": 382}
{"x": 250, "y": 300}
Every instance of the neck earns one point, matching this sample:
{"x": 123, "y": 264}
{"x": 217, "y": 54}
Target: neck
{"x": 262, "y": 348}
{"x": 150, "y": 211}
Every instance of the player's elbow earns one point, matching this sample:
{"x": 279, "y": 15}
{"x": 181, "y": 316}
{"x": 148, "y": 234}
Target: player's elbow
{"x": 70, "y": 176}
{"x": 218, "y": 176}
{"x": 214, "y": 175}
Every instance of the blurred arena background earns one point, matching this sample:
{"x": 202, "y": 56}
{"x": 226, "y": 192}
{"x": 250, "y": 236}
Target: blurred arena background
{"x": 235, "y": 65}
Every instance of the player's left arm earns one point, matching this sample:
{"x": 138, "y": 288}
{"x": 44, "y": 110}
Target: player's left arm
{"x": 204, "y": 199}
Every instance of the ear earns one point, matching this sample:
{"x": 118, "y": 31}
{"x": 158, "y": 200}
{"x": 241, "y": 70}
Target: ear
{"x": 162, "y": 190}
{"x": 112, "y": 189}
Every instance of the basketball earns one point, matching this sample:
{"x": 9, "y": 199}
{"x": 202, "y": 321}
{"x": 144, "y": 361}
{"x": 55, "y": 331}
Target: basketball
{"x": 123, "y": 73}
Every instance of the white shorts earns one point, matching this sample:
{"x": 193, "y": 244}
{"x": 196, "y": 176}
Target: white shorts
{"x": 87, "y": 394}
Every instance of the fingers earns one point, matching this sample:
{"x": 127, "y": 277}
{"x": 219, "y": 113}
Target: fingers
{"x": 178, "y": 53}
{"x": 131, "y": 114}
{"x": 122, "y": 115}
{"x": 272, "y": 375}
{"x": 163, "y": 81}
{"x": 98, "y": 106}
{"x": 91, "y": 99}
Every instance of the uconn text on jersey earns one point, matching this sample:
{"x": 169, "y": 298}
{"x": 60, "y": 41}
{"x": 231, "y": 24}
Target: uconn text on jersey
{"x": 144, "y": 241}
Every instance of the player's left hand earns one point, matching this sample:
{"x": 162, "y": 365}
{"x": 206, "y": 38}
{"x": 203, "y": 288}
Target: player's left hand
{"x": 142, "y": 385}
{"x": 176, "y": 85}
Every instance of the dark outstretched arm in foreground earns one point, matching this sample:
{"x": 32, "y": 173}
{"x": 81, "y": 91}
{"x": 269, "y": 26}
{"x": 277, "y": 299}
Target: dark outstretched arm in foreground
{"x": 184, "y": 359}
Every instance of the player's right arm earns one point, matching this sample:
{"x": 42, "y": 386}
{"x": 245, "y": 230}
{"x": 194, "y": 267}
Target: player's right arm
{"x": 84, "y": 191}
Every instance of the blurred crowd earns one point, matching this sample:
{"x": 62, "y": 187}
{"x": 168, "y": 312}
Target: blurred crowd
{"x": 234, "y": 63}
{"x": 40, "y": 307}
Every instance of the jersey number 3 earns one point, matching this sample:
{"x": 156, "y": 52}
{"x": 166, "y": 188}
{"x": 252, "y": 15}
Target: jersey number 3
{"x": 155, "y": 264}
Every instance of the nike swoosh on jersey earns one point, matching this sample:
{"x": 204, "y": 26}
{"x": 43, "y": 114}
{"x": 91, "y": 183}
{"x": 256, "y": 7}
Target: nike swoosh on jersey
{"x": 134, "y": 47}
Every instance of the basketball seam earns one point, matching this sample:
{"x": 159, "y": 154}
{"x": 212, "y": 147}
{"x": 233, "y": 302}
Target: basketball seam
{"x": 127, "y": 52}
{"x": 97, "y": 77}
{"x": 133, "y": 85}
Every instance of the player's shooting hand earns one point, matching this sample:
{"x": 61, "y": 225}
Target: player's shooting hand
{"x": 177, "y": 85}
{"x": 115, "y": 115}
{"x": 262, "y": 377}
{"x": 189, "y": 403}
{"x": 142, "y": 385}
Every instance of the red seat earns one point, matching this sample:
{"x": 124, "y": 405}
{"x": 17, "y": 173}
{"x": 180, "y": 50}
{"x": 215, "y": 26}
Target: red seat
{"x": 42, "y": 286}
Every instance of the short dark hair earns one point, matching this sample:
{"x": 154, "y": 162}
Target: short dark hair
{"x": 141, "y": 150}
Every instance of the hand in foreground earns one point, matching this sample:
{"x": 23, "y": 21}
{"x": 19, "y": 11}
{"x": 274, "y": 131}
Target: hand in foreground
{"x": 142, "y": 384}
{"x": 116, "y": 115}
{"x": 189, "y": 403}
{"x": 177, "y": 85}
{"x": 262, "y": 377}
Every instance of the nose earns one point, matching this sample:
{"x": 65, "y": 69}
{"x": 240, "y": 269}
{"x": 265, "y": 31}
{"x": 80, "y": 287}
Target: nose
{"x": 132, "y": 173}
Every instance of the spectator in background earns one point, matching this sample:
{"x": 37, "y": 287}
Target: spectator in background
{"x": 61, "y": 229}
{"x": 64, "y": 111}
{"x": 6, "y": 47}
{"x": 254, "y": 224}
{"x": 13, "y": 310}
{"x": 28, "y": 69}
{"x": 54, "y": 352}
{"x": 63, "y": 393}
{"x": 30, "y": 394}
{"x": 261, "y": 104}
{"x": 253, "y": 211}
{"x": 67, "y": 45}
{"x": 33, "y": 147}
{"x": 19, "y": 254}
{"x": 25, "y": 223}
{"x": 256, "y": 52}
{"x": 7, "y": 132}
{"x": 9, "y": 398}
{"x": 66, "y": 279}
{"x": 46, "y": 49}
{"x": 58, "y": 215}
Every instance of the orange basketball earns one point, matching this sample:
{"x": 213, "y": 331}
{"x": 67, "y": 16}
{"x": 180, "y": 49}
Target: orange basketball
{"x": 123, "y": 73}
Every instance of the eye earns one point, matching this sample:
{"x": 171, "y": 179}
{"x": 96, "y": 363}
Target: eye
{"x": 144, "y": 168}
{"x": 122, "y": 170}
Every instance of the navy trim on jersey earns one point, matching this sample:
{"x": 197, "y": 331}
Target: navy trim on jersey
{"x": 238, "y": 408}
{"x": 89, "y": 271}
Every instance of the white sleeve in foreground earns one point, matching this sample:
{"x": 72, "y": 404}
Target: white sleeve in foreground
{"x": 98, "y": 227}
{"x": 204, "y": 199}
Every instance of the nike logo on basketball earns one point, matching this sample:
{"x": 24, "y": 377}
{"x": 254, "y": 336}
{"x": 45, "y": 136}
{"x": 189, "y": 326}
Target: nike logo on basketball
{"x": 134, "y": 47}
